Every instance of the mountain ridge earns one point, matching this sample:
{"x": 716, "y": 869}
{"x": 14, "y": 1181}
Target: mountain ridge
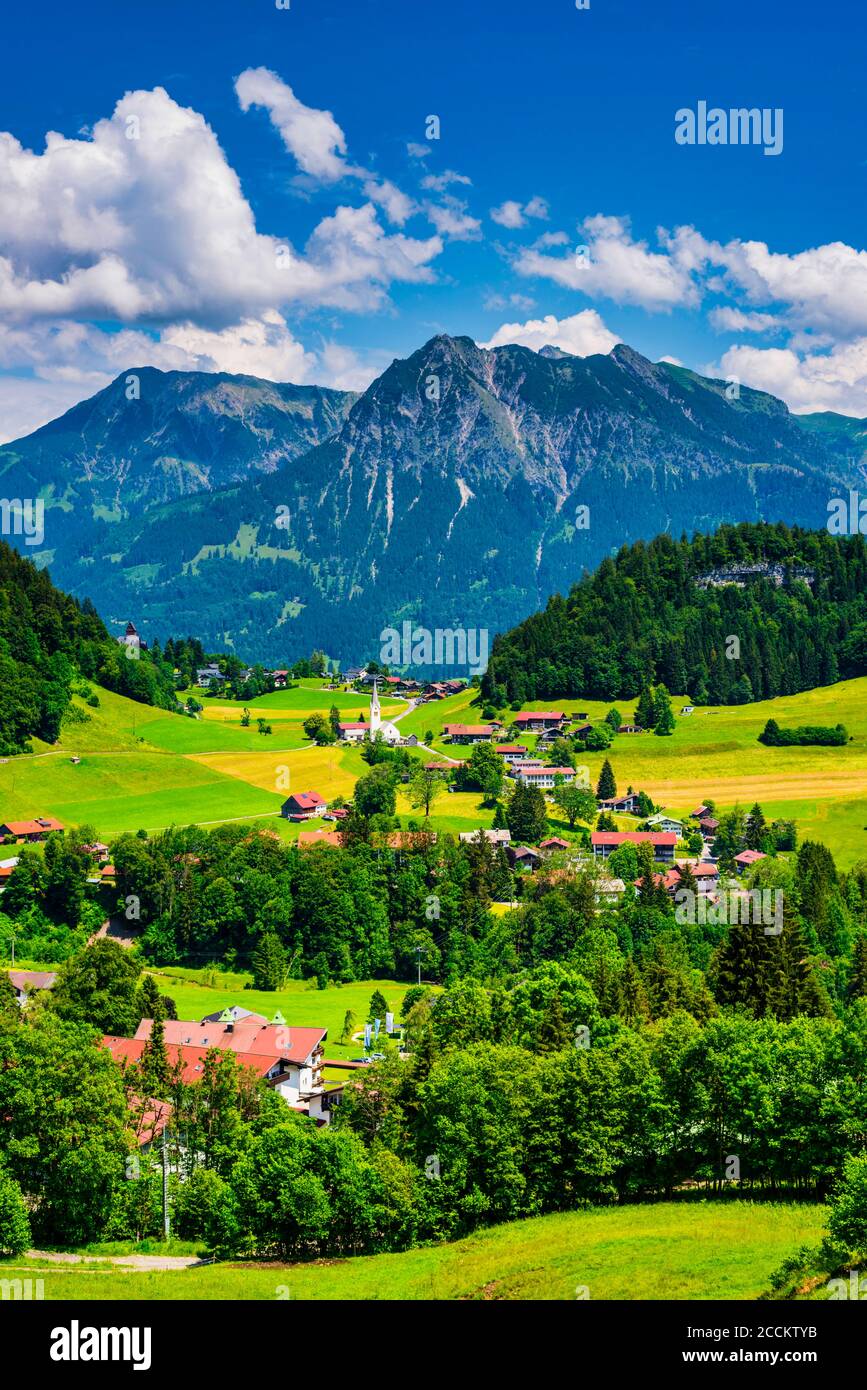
{"x": 451, "y": 492}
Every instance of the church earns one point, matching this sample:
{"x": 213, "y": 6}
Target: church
{"x": 356, "y": 732}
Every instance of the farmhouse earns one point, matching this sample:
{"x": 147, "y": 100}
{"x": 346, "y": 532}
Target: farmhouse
{"x": 32, "y": 830}
{"x": 747, "y": 858}
{"x": 553, "y": 843}
{"x": 25, "y": 982}
{"x": 628, "y": 803}
{"x": 493, "y": 837}
{"x": 289, "y": 1058}
{"x": 535, "y": 721}
{"x": 662, "y": 822}
{"x": 688, "y": 709}
{"x": 543, "y": 777}
{"x": 281, "y": 679}
{"x": 630, "y": 729}
{"x": 471, "y": 733}
{"x": 522, "y": 857}
{"x": 706, "y": 877}
{"x": 206, "y": 674}
{"x": 354, "y": 731}
{"x": 303, "y": 806}
{"x": 604, "y": 842}
{"x": 708, "y": 825}
{"x": 7, "y": 866}
{"x": 511, "y": 751}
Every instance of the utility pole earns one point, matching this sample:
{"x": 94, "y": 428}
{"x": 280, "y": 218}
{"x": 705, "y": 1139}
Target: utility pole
{"x": 166, "y": 1218}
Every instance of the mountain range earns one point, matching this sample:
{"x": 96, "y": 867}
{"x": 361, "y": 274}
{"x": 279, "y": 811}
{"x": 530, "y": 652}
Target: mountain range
{"x": 461, "y": 489}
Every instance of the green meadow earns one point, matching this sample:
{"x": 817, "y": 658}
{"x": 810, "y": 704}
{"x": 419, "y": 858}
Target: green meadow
{"x": 200, "y": 992}
{"x": 146, "y": 768}
{"x": 668, "y": 1251}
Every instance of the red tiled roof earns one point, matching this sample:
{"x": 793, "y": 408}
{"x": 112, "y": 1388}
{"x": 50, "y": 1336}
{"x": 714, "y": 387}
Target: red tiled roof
{"x": 632, "y": 837}
{"x": 248, "y": 1036}
{"x": 192, "y": 1059}
{"x": 749, "y": 856}
{"x": 511, "y": 748}
{"x": 527, "y": 715}
{"x": 452, "y": 729}
{"x": 32, "y": 827}
{"x": 308, "y": 838}
{"x": 308, "y": 801}
{"x": 33, "y": 979}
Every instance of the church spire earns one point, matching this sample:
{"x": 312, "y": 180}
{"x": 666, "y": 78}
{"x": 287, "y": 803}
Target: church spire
{"x": 375, "y": 716}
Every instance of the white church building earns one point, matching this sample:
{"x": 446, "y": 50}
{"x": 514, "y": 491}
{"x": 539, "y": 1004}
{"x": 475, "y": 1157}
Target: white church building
{"x": 356, "y": 732}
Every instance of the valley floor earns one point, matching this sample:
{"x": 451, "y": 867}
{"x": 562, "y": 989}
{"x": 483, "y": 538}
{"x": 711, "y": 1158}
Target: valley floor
{"x": 681, "y": 1250}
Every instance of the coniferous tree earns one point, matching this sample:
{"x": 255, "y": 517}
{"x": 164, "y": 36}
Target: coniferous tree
{"x": 606, "y": 787}
{"x": 269, "y": 962}
{"x": 858, "y": 981}
{"x": 155, "y": 1068}
{"x": 747, "y": 969}
{"x": 644, "y": 713}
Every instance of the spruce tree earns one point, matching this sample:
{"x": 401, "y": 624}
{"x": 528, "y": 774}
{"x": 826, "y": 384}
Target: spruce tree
{"x": 644, "y": 714}
{"x": 155, "y": 1069}
{"x": 858, "y": 981}
{"x": 756, "y": 829}
{"x": 607, "y": 785}
{"x": 747, "y": 969}
{"x": 269, "y": 962}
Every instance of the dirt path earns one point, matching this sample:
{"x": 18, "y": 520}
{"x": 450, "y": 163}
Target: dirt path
{"x": 126, "y": 1261}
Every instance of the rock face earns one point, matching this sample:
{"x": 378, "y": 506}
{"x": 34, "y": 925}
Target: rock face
{"x": 461, "y": 489}
{"x": 155, "y": 436}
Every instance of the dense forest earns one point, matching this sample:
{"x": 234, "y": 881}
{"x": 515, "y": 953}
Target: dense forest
{"x": 749, "y": 613}
{"x": 48, "y": 641}
{"x": 575, "y": 1052}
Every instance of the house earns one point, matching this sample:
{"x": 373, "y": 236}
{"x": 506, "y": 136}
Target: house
{"x": 303, "y": 806}
{"x": 630, "y": 729}
{"x": 206, "y": 674}
{"x": 582, "y": 731}
{"x": 747, "y": 858}
{"x": 289, "y": 1058}
{"x": 32, "y": 830}
{"x": 552, "y": 844}
{"x": 609, "y": 892}
{"x": 543, "y": 777}
{"x": 627, "y": 804}
{"x": 355, "y": 731}
{"x": 706, "y": 877}
{"x": 663, "y": 822}
{"x": 522, "y": 857}
{"x": 131, "y": 639}
{"x": 97, "y": 851}
{"x": 353, "y": 673}
{"x": 701, "y": 812}
{"x": 604, "y": 842}
{"x": 688, "y": 709}
{"x": 410, "y": 839}
{"x": 579, "y": 714}
{"x": 7, "y": 866}
{"x": 511, "y": 751}
{"x": 281, "y": 679}
{"x": 535, "y": 721}
{"x": 493, "y": 837}
{"x": 25, "y": 982}
{"x": 471, "y": 733}
{"x": 708, "y": 825}
{"x": 308, "y": 838}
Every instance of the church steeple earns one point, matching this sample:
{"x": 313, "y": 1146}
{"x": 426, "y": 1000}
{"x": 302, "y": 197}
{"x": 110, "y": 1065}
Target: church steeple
{"x": 375, "y": 716}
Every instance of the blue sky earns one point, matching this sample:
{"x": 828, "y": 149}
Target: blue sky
{"x": 198, "y": 205}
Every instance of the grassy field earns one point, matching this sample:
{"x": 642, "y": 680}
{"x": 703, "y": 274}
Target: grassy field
{"x": 669, "y": 1251}
{"x": 200, "y": 992}
{"x": 147, "y": 768}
